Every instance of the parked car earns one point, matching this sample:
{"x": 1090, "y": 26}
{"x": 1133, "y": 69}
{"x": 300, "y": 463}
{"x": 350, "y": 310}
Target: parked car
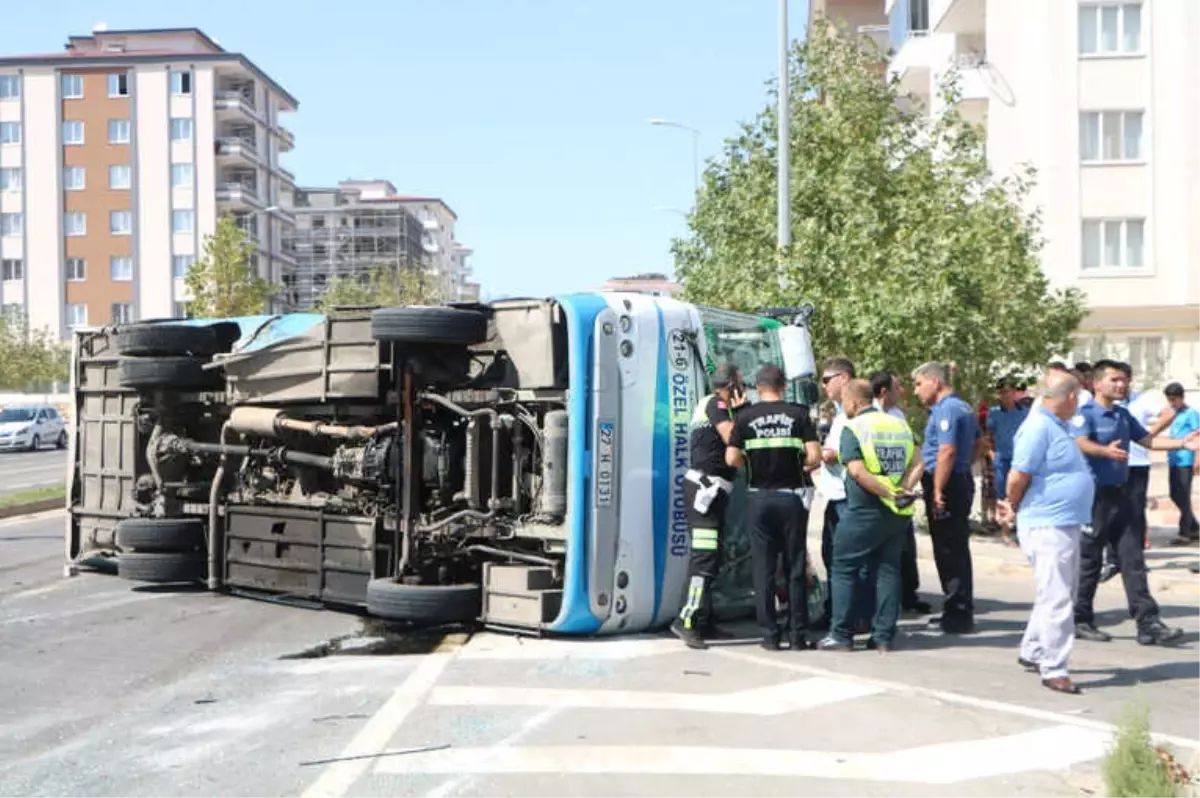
{"x": 31, "y": 427}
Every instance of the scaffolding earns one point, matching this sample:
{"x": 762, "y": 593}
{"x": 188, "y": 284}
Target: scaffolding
{"x": 346, "y": 239}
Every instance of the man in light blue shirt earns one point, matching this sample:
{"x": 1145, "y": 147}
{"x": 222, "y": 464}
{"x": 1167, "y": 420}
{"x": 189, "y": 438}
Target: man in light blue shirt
{"x": 1050, "y": 489}
{"x": 1181, "y": 464}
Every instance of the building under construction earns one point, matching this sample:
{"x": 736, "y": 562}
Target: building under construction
{"x": 348, "y": 230}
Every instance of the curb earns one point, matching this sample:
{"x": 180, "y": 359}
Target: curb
{"x": 32, "y": 507}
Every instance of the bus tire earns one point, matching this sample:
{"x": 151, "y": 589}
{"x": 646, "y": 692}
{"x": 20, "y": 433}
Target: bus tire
{"x": 421, "y": 324}
{"x": 174, "y": 373}
{"x": 423, "y": 604}
{"x": 160, "y": 534}
{"x": 162, "y": 567}
{"x": 149, "y": 340}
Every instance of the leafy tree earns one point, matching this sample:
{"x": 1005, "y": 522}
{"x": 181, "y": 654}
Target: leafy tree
{"x": 29, "y": 358}
{"x": 385, "y": 285}
{"x": 224, "y": 282}
{"x": 909, "y": 246}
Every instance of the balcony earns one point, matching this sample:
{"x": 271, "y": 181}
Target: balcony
{"x": 431, "y": 223}
{"x": 235, "y": 103}
{"x": 913, "y": 63}
{"x": 239, "y": 193}
{"x": 237, "y": 148}
{"x": 879, "y": 34}
{"x": 287, "y": 141}
{"x": 286, "y": 175}
{"x": 958, "y": 16}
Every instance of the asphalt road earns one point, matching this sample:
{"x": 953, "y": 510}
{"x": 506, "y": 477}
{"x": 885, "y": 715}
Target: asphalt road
{"x": 111, "y": 690}
{"x": 22, "y": 471}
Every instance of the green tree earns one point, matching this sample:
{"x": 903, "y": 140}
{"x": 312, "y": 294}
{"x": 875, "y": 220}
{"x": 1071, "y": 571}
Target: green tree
{"x": 224, "y": 282}
{"x": 385, "y": 285}
{"x": 909, "y": 246}
{"x": 29, "y": 358}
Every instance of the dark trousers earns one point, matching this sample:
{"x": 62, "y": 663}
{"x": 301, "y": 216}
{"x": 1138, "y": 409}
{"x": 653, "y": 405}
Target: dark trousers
{"x": 704, "y": 560}
{"x": 1136, "y": 487}
{"x": 1111, "y": 524}
{"x": 865, "y": 590}
{"x": 951, "y": 534}
{"x": 778, "y": 524}
{"x": 1179, "y": 478}
{"x": 872, "y": 550}
{"x": 910, "y": 576}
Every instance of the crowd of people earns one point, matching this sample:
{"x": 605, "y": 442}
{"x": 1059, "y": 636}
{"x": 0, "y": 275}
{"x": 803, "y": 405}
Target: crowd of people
{"x": 1059, "y": 475}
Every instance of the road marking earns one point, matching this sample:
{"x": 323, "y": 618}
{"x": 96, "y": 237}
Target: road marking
{"x": 778, "y": 699}
{"x": 453, "y": 785}
{"x": 952, "y": 698}
{"x": 339, "y": 778}
{"x": 32, "y": 518}
{"x": 127, "y": 598}
{"x": 509, "y": 647}
{"x": 1055, "y": 748}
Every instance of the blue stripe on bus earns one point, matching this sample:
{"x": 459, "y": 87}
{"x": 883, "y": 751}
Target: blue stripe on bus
{"x": 575, "y": 616}
{"x": 661, "y": 467}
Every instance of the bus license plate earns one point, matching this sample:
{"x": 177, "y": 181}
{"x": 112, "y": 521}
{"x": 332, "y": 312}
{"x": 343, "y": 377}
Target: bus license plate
{"x": 605, "y": 440}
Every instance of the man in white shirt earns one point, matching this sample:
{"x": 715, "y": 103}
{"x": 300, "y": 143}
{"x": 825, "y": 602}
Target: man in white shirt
{"x": 830, "y": 477}
{"x": 886, "y": 390}
{"x": 1148, "y": 408}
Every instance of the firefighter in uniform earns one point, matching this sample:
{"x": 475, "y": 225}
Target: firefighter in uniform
{"x": 777, "y": 442}
{"x": 706, "y": 490}
{"x": 877, "y": 451}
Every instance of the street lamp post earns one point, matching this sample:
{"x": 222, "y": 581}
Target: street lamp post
{"x": 695, "y": 149}
{"x": 783, "y": 222}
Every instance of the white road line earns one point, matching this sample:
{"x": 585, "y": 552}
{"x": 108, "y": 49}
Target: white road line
{"x": 339, "y": 778}
{"x": 775, "y": 699}
{"x": 952, "y": 698}
{"x": 453, "y": 785}
{"x": 1054, "y": 748}
{"x": 509, "y": 647}
{"x": 28, "y": 519}
{"x": 128, "y": 598}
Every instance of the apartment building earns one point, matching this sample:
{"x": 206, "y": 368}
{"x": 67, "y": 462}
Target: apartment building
{"x": 117, "y": 155}
{"x": 1100, "y": 97}
{"x": 344, "y": 231}
{"x": 448, "y": 257}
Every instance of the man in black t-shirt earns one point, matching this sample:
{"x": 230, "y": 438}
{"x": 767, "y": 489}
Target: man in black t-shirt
{"x": 777, "y": 443}
{"x": 706, "y": 490}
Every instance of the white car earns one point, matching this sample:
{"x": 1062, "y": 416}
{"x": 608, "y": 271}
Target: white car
{"x": 31, "y": 427}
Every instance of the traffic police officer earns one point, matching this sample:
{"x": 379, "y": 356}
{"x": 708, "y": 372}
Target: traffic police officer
{"x": 706, "y": 490}
{"x": 776, "y": 441}
{"x": 952, "y": 437}
{"x": 877, "y": 451}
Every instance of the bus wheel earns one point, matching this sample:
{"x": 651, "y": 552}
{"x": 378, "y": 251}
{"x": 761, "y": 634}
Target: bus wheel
{"x": 424, "y": 604}
{"x": 417, "y": 324}
{"x": 160, "y": 534}
{"x": 175, "y": 566}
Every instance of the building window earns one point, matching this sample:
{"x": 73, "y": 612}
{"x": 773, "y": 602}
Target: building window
{"x": 181, "y": 82}
{"x": 180, "y": 265}
{"x": 181, "y": 129}
{"x": 120, "y": 176}
{"x": 10, "y": 87}
{"x": 13, "y": 269}
{"x": 118, "y": 84}
{"x": 118, "y": 131}
{"x": 72, "y": 87}
{"x": 74, "y": 178}
{"x": 11, "y": 224}
{"x": 76, "y": 315}
{"x": 183, "y": 221}
{"x": 181, "y": 175}
{"x": 10, "y": 178}
{"x": 72, "y": 132}
{"x": 182, "y": 311}
{"x": 120, "y": 223}
{"x": 122, "y": 313}
{"x": 76, "y": 270}
{"x": 1147, "y": 356}
{"x": 120, "y": 269}
{"x": 75, "y": 223}
{"x": 10, "y": 132}
{"x": 1110, "y": 28}
{"x": 1114, "y": 244}
{"x": 1106, "y": 136}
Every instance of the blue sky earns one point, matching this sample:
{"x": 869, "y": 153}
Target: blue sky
{"x": 529, "y": 117}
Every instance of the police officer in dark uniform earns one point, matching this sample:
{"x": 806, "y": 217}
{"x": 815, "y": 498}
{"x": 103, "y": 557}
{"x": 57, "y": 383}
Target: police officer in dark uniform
{"x": 951, "y": 445}
{"x": 706, "y": 489}
{"x": 777, "y": 443}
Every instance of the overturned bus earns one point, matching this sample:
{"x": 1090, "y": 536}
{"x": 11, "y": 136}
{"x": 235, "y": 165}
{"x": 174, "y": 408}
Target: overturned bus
{"x": 519, "y": 463}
